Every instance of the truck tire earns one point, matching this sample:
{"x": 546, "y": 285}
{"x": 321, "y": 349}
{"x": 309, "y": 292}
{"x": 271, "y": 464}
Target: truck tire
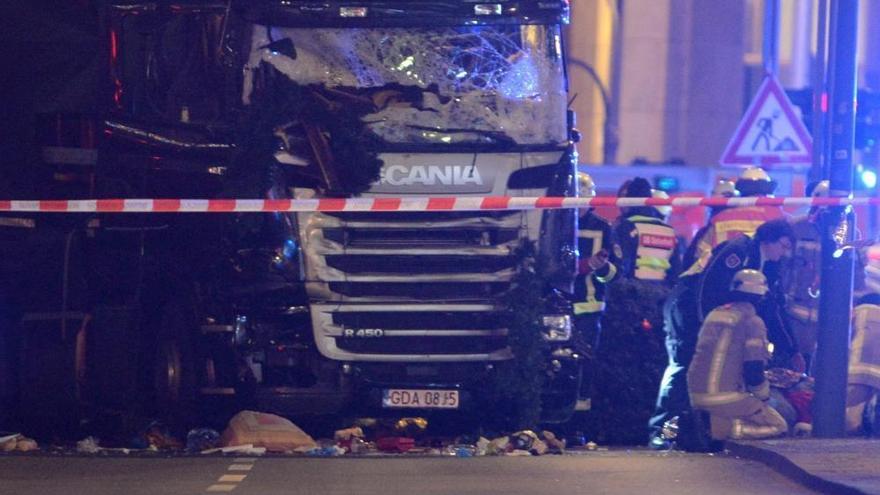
{"x": 52, "y": 381}
{"x": 176, "y": 367}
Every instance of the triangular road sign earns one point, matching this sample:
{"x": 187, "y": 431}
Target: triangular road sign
{"x": 770, "y": 131}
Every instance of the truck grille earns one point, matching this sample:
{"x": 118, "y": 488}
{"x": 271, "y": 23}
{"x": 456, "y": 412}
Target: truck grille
{"x": 410, "y": 332}
{"x": 427, "y": 282}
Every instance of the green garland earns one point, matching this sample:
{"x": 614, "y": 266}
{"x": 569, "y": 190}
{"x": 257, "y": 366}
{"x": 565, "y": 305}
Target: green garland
{"x": 279, "y": 103}
{"x": 629, "y": 363}
{"x": 518, "y": 382}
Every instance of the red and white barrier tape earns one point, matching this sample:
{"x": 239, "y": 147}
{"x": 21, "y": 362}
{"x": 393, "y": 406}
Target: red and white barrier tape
{"x": 423, "y": 203}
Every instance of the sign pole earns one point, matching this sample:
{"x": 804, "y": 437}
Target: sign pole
{"x": 835, "y": 304}
{"x": 770, "y": 47}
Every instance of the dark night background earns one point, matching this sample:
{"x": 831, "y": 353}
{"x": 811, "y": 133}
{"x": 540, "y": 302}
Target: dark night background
{"x": 50, "y": 58}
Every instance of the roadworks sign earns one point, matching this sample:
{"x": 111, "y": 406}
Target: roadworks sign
{"x": 770, "y": 131}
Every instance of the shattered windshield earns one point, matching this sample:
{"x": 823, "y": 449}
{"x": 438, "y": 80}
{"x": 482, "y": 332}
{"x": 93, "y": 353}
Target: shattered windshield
{"x": 475, "y": 84}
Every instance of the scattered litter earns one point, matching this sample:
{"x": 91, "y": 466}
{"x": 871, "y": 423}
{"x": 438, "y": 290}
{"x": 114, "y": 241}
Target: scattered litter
{"x": 157, "y": 436}
{"x": 88, "y": 445}
{"x": 554, "y": 444}
{"x": 482, "y": 446}
{"x": 460, "y": 450}
{"x": 26, "y": 445}
{"x": 411, "y": 427}
{"x": 395, "y": 444}
{"x": 328, "y": 451}
{"x": 9, "y": 442}
{"x": 528, "y": 440}
{"x": 17, "y": 442}
{"x": 201, "y": 439}
{"x": 592, "y": 446}
{"x": 266, "y": 430}
{"x": 348, "y": 433}
{"x": 499, "y": 446}
{"x": 247, "y": 449}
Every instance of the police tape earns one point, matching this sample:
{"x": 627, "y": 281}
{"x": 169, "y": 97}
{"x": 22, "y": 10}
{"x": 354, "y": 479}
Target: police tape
{"x": 402, "y": 204}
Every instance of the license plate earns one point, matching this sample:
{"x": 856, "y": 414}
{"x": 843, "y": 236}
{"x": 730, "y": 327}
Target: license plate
{"x": 420, "y": 398}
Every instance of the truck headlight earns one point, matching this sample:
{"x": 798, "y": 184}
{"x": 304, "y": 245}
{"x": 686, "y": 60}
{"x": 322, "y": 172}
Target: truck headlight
{"x": 557, "y": 328}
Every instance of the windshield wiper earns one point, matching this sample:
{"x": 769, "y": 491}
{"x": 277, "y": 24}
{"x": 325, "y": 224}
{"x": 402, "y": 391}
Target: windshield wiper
{"x": 495, "y": 136}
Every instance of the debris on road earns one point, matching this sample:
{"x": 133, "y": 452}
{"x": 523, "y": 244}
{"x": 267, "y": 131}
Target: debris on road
{"x": 88, "y": 445}
{"x": 17, "y": 442}
{"x": 201, "y": 439}
{"x": 273, "y": 432}
{"x": 395, "y": 444}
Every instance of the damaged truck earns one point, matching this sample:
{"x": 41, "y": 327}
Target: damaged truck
{"x": 332, "y": 312}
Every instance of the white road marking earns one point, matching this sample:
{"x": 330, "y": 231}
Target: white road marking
{"x": 241, "y": 467}
{"x": 232, "y": 478}
{"x": 221, "y": 488}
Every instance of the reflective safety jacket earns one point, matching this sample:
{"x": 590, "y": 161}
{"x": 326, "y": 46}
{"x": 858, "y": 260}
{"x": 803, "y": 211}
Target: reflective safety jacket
{"x": 713, "y": 287}
{"x": 801, "y": 278}
{"x": 647, "y": 248}
{"x": 864, "y": 352}
{"x": 594, "y": 234}
{"x": 731, "y": 335}
{"x": 730, "y": 224}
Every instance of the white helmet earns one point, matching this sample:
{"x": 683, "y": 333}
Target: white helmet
{"x": 664, "y": 210}
{"x": 872, "y": 268}
{"x": 754, "y": 181}
{"x": 749, "y": 281}
{"x": 586, "y": 186}
{"x": 822, "y": 189}
{"x": 725, "y": 188}
{"x": 754, "y": 173}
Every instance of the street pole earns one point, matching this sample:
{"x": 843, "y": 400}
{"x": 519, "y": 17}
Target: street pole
{"x": 820, "y": 88}
{"x": 835, "y": 304}
{"x": 770, "y": 47}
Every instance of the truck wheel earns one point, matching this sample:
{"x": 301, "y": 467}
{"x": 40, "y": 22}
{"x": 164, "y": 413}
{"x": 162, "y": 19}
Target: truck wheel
{"x": 52, "y": 380}
{"x": 175, "y": 377}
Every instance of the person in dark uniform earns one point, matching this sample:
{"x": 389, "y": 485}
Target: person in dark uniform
{"x": 595, "y": 270}
{"x": 698, "y": 293}
{"x": 645, "y": 244}
{"x": 773, "y": 241}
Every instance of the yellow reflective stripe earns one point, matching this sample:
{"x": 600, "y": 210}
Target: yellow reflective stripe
{"x": 589, "y": 307}
{"x": 762, "y": 390}
{"x": 641, "y": 218}
{"x": 803, "y": 313}
{"x": 724, "y": 227}
{"x": 595, "y": 236}
{"x": 699, "y": 265}
{"x": 756, "y": 342}
{"x": 652, "y": 262}
{"x": 612, "y": 271}
{"x": 717, "y": 365}
{"x": 717, "y": 399}
{"x": 864, "y": 369}
{"x": 649, "y": 274}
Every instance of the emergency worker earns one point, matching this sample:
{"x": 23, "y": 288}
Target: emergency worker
{"x": 863, "y": 381}
{"x": 801, "y": 278}
{"x": 595, "y": 270}
{"x": 722, "y": 189}
{"x": 643, "y": 242}
{"x": 801, "y": 281}
{"x": 773, "y": 242}
{"x": 726, "y": 377}
{"x": 739, "y": 220}
{"x": 697, "y": 293}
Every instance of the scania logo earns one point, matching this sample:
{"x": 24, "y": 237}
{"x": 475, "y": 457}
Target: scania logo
{"x": 431, "y": 175}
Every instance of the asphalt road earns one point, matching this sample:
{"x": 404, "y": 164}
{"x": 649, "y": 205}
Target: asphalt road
{"x": 611, "y": 472}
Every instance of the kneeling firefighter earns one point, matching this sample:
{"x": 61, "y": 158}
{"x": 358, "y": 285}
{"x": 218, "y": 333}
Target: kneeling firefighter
{"x": 726, "y": 376}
